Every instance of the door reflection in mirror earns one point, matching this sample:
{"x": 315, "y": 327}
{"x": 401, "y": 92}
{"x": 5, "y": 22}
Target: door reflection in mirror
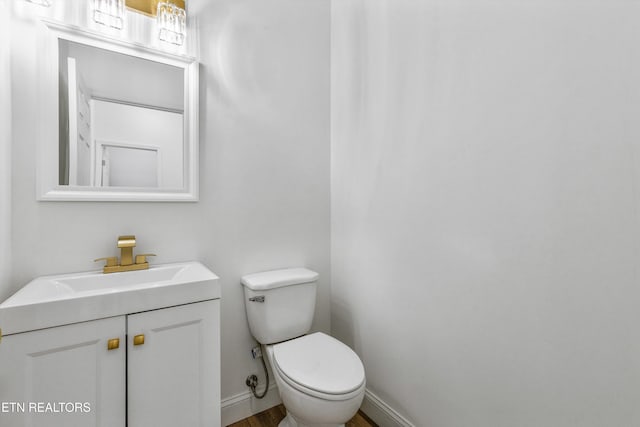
{"x": 131, "y": 166}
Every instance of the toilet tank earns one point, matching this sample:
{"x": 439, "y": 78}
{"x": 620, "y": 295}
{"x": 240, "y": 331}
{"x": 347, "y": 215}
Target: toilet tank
{"x": 280, "y": 304}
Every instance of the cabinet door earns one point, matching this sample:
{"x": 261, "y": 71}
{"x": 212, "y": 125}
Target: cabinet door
{"x": 174, "y": 376}
{"x": 64, "y": 376}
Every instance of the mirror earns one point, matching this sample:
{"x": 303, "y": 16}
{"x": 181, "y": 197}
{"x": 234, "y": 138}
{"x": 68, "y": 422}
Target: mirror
{"x": 125, "y": 120}
{"x": 120, "y": 119}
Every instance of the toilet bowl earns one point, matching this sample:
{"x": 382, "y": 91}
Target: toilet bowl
{"x": 321, "y": 380}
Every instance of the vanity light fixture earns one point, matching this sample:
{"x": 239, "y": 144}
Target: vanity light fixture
{"x": 45, "y": 3}
{"x": 172, "y": 23}
{"x": 109, "y": 13}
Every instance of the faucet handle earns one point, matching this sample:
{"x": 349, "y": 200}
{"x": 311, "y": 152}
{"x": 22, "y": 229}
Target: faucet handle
{"x": 111, "y": 261}
{"x": 142, "y": 258}
{"x": 126, "y": 241}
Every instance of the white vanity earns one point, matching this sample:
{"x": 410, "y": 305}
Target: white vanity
{"x": 138, "y": 348}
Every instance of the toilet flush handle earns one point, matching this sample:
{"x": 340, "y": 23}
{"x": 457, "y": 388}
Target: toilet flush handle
{"x": 257, "y": 299}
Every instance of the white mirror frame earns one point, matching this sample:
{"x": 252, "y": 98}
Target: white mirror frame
{"x": 47, "y": 185}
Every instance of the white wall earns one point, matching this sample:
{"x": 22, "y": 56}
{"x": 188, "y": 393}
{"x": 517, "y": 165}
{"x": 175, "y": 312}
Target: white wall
{"x": 265, "y": 130}
{"x": 5, "y": 147}
{"x": 485, "y": 187}
{"x": 264, "y": 165}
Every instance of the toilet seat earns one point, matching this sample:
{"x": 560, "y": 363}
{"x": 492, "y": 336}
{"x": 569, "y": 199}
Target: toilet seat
{"x": 320, "y": 366}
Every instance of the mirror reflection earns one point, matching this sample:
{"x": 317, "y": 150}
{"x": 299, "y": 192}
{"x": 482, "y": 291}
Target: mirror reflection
{"x": 121, "y": 119}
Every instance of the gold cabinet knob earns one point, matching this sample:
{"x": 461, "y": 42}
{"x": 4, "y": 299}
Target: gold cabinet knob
{"x": 138, "y": 339}
{"x": 112, "y": 344}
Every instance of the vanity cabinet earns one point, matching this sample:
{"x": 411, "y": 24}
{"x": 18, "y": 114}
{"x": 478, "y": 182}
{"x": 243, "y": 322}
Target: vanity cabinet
{"x": 42, "y": 372}
{"x": 171, "y": 376}
{"x": 165, "y": 371}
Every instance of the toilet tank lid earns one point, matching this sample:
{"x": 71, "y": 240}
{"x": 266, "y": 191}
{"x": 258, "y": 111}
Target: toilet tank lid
{"x": 278, "y": 278}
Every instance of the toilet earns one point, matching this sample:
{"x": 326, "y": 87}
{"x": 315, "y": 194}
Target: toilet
{"x": 321, "y": 380}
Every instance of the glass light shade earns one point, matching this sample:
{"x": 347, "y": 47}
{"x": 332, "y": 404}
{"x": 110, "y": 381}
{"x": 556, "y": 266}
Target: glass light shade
{"x": 172, "y": 23}
{"x": 109, "y": 13}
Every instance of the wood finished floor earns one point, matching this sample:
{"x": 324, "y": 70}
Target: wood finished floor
{"x": 271, "y": 417}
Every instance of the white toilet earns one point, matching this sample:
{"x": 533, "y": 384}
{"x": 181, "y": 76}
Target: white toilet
{"x": 321, "y": 380}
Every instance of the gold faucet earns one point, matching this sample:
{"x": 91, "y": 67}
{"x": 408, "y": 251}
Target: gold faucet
{"x": 126, "y": 245}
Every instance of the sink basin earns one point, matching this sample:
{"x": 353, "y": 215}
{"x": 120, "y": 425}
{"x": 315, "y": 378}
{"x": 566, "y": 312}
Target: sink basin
{"x": 70, "y": 298}
{"x": 117, "y": 282}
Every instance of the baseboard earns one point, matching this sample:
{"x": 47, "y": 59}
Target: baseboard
{"x": 381, "y": 413}
{"x": 243, "y": 405}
